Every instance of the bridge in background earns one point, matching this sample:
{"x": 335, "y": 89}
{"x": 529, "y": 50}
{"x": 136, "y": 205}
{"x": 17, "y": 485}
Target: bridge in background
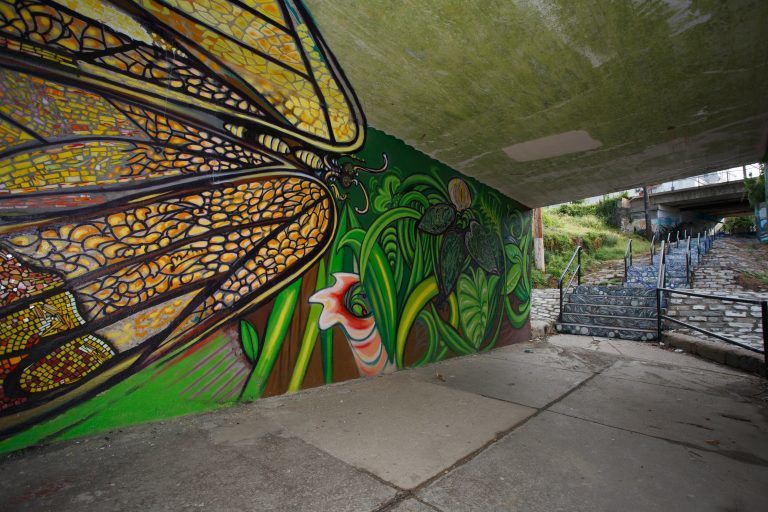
{"x": 696, "y": 201}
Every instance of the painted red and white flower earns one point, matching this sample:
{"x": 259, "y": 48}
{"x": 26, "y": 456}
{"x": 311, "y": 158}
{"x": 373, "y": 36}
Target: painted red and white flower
{"x": 344, "y": 304}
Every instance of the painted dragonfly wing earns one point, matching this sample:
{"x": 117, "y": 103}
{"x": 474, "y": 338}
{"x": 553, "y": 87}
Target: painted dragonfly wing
{"x": 62, "y": 140}
{"x": 257, "y": 64}
{"x": 84, "y": 293}
{"x": 130, "y": 232}
{"x": 178, "y": 163}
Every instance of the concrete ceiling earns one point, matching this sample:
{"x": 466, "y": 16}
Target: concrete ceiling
{"x": 554, "y": 100}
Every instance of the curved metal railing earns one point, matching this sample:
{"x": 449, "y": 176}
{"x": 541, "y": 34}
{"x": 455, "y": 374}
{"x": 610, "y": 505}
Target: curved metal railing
{"x": 627, "y": 259}
{"x": 688, "y": 268}
{"x": 576, "y": 272}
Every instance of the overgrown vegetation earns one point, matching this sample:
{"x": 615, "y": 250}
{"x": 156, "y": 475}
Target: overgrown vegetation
{"x": 605, "y": 210}
{"x": 754, "y": 188}
{"x": 753, "y": 280}
{"x": 574, "y": 223}
{"x": 743, "y": 224}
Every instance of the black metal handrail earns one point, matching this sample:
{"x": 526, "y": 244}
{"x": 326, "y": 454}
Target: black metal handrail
{"x": 698, "y": 248}
{"x": 653, "y": 245}
{"x": 688, "y": 268}
{"x": 763, "y": 311}
{"x": 575, "y": 272}
{"x": 627, "y": 258}
{"x": 661, "y": 279}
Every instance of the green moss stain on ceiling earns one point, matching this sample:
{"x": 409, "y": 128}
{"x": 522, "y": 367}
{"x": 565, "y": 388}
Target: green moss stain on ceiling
{"x": 668, "y": 88}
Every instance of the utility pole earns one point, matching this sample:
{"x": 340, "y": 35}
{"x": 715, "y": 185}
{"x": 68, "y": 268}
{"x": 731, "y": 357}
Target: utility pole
{"x": 646, "y": 206}
{"x": 538, "y": 239}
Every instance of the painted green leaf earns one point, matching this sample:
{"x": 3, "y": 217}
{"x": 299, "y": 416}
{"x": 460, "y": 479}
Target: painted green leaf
{"x": 475, "y": 293}
{"x": 517, "y": 318}
{"x": 385, "y": 196}
{"x": 523, "y": 290}
{"x": 249, "y": 339}
{"x": 437, "y": 219}
{"x": 514, "y": 268}
{"x": 450, "y": 261}
{"x": 484, "y": 247}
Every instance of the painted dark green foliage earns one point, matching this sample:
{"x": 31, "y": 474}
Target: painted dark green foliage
{"x": 437, "y": 219}
{"x": 453, "y": 256}
{"x": 484, "y": 247}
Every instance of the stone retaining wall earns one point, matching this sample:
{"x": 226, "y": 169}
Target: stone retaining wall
{"x": 545, "y": 304}
{"x": 742, "y": 322}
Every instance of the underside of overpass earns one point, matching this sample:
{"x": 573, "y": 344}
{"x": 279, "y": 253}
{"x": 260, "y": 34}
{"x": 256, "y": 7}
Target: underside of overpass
{"x": 550, "y": 101}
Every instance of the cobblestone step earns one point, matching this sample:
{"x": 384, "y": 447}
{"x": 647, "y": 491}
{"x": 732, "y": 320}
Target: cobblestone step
{"x": 652, "y": 271}
{"x": 607, "y": 332}
{"x": 614, "y": 300}
{"x": 624, "y": 322}
{"x": 610, "y": 310}
{"x": 671, "y": 283}
{"x": 611, "y": 290}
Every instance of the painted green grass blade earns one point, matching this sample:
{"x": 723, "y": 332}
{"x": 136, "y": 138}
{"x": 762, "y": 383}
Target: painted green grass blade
{"x": 422, "y": 294}
{"x": 417, "y": 269}
{"x": 249, "y": 339}
{"x": 277, "y": 327}
{"x": 377, "y": 227}
{"x": 428, "y": 319}
{"x": 452, "y": 338}
{"x": 311, "y": 332}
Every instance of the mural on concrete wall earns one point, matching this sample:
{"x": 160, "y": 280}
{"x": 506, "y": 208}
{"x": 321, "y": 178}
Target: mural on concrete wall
{"x": 189, "y": 218}
{"x": 761, "y": 219}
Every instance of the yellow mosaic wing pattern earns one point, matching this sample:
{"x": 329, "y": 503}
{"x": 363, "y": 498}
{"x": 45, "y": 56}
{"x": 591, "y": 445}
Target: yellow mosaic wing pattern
{"x": 159, "y": 164}
{"x": 258, "y": 63}
{"x": 189, "y": 259}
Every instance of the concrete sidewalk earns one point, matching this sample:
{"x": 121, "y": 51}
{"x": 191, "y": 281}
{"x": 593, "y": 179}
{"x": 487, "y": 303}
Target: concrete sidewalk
{"x": 572, "y": 423}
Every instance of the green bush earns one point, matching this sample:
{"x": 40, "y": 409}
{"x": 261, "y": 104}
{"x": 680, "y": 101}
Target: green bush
{"x": 576, "y": 209}
{"x": 739, "y": 224}
{"x": 607, "y": 208}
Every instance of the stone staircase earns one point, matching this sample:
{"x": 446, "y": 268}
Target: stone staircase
{"x": 626, "y": 311}
{"x": 610, "y": 311}
{"x": 646, "y": 276}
